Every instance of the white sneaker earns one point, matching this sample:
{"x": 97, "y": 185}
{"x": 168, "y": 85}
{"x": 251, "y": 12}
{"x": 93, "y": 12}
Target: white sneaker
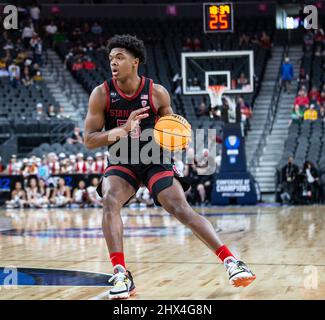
{"x": 123, "y": 285}
{"x": 239, "y": 274}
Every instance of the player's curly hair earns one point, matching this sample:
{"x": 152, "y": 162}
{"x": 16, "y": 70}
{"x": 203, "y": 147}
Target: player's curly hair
{"x": 131, "y": 43}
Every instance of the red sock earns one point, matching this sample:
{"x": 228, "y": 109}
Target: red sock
{"x": 117, "y": 258}
{"x": 223, "y": 253}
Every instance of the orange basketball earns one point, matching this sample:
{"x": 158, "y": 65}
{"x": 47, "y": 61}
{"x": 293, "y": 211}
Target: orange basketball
{"x": 172, "y": 132}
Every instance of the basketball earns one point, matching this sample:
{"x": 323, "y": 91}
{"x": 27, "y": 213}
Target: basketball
{"x": 172, "y": 132}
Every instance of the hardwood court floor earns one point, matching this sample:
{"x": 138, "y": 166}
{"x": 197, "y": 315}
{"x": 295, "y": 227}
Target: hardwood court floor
{"x": 284, "y": 246}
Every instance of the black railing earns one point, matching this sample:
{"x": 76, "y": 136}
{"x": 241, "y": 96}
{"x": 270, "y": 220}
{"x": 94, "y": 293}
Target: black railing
{"x": 271, "y": 114}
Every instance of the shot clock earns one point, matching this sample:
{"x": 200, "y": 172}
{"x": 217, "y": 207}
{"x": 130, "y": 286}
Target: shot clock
{"x": 218, "y": 17}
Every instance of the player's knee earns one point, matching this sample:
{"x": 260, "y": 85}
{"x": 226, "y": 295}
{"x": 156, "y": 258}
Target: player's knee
{"x": 110, "y": 205}
{"x": 182, "y": 212}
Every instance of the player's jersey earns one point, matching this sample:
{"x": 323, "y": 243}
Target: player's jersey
{"x": 119, "y": 108}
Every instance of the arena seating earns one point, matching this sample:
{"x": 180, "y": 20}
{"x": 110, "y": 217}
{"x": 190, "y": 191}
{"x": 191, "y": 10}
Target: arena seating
{"x": 164, "y": 41}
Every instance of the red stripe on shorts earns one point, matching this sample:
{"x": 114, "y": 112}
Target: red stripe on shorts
{"x": 158, "y": 176}
{"x": 125, "y": 170}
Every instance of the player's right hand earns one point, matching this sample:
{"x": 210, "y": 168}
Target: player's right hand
{"x": 135, "y": 118}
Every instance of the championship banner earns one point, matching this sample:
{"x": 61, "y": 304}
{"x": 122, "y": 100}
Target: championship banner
{"x": 233, "y": 184}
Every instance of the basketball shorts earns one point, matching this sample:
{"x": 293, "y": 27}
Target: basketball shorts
{"x": 156, "y": 177}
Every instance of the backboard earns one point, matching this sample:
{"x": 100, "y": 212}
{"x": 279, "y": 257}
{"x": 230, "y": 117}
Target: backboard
{"x": 203, "y": 69}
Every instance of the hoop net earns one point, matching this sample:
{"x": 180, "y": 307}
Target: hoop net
{"x": 215, "y": 94}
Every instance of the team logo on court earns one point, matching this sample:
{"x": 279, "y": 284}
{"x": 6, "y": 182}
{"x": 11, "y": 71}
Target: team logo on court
{"x": 52, "y": 277}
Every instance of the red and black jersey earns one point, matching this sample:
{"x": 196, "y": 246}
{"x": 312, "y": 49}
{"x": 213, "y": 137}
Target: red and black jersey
{"x": 119, "y": 108}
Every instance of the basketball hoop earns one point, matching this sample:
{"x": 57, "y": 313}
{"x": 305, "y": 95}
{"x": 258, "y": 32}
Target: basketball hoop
{"x": 215, "y": 94}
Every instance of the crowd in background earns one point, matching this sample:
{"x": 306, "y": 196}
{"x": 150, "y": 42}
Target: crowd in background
{"x": 309, "y": 104}
{"x": 44, "y": 184}
{"x": 300, "y": 185}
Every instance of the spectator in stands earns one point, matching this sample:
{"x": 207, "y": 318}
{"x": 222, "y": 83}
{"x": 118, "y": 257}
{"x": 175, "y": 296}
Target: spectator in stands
{"x": 51, "y": 29}
{"x": 38, "y": 76}
{"x": 308, "y": 40}
{"x": 9, "y": 45}
{"x": 14, "y": 74}
{"x": 203, "y": 167}
{"x": 72, "y": 163}
{"x": 27, "y": 80}
{"x": 19, "y": 47}
{"x": 86, "y": 29}
{"x": 30, "y": 169}
{"x": 314, "y": 96}
{"x": 78, "y": 65}
{"x": 61, "y": 115}
{"x": 80, "y": 195}
{"x": 312, "y": 181}
{"x": 310, "y": 113}
{"x": 303, "y": 78}
{"x": 24, "y": 164}
{"x": 321, "y": 113}
{"x": 188, "y": 45}
{"x": 43, "y": 170}
{"x": 265, "y": 43}
{"x": 2, "y": 167}
{"x": 322, "y": 98}
{"x": 297, "y": 115}
{"x": 99, "y": 165}
{"x": 39, "y": 115}
{"x": 64, "y": 165}
{"x": 89, "y": 64}
{"x": 202, "y": 110}
{"x": 62, "y": 195}
{"x": 242, "y": 81}
{"x": 287, "y": 74}
{"x": 255, "y": 41}
{"x": 14, "y": 167}
{"x": 76, "y": 34}
{"x": 45, "y": 193}
{"x": 53, "y": 163}
{"x": 302, "y": 100}
{"x": 288, "y": 174}
{"x": 197, "y": 45}
{"x": 76, "y": 137}
{"x": 244, "y": 41}
{"x": 81, "y": 166}
{"x": 37, "y": 47}
{"x": 27, "y": 33}
{"x": 51, "y": 111}
{"x": 3, "y": 69}
{"x": 246, "y": 112}
{"x": 94, "y": 199}
{"x": 319, "y": 39}
{"x": 35, "y": 13}
{"x": 96, "y": 28}
{"x": 214, "y": 112}
{"x": 33, "y": 195}
{"x": 90, "y": 165}
{"x": 18, "y": 197}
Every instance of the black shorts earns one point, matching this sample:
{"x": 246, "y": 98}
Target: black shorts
{"x": 156, "y": 177}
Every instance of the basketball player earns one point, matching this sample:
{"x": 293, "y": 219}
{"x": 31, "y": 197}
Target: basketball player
{"x": 126, "y": 105}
